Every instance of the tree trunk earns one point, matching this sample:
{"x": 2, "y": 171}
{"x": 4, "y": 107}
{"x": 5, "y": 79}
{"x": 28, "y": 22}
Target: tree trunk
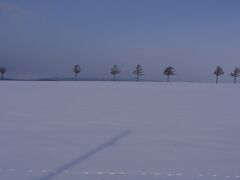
{"x": 168, "y": 78}
{"x": 216, "y": 79}
{"x": 76, "y": 76}
{"x": 114, "y": 78}
{"x": 137, "y": 78}
{"x": 235, "y": 80}
{"x": 2, "y": 76}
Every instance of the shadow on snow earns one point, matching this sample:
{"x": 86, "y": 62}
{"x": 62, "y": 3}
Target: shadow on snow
{"x": 90, "y": 153}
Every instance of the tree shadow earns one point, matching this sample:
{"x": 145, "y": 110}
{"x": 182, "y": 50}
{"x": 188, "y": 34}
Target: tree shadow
{"x": 90, "y": 153}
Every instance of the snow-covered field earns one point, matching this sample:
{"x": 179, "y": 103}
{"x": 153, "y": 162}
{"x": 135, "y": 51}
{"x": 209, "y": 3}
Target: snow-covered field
{"x": 119, "y": 131}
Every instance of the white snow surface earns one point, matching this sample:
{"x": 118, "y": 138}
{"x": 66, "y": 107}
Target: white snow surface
{"x": 119, "y": 130}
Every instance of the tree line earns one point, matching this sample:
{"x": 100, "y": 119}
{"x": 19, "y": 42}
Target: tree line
{"x": 169, "y": 71}
{"x": 138, "y": 71}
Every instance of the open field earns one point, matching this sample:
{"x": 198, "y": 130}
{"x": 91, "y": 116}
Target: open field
{"x": 119, "y": 130}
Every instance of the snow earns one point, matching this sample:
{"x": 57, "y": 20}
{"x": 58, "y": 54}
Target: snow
{"x": 119, "y": 130}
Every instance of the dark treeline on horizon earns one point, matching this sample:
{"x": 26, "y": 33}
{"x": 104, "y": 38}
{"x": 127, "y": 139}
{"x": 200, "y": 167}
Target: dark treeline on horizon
{"x": 138, "y": 71}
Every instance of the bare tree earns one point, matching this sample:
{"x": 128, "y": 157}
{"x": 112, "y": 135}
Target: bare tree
{"x": 218, "y": 72}
{"x": 115, "y": 70}
{"x": 169, "y": 71}
{"x": 76, "y": 70}
{"x": 235, "y": 74}
{"x": 138, "y": 71}
{"x": 3, "y": 70}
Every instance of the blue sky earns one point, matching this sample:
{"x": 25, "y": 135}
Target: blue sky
{"x": 45, "y": 38}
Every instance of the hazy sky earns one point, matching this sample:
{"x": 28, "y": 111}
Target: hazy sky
{"x": 46, "y": 38}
